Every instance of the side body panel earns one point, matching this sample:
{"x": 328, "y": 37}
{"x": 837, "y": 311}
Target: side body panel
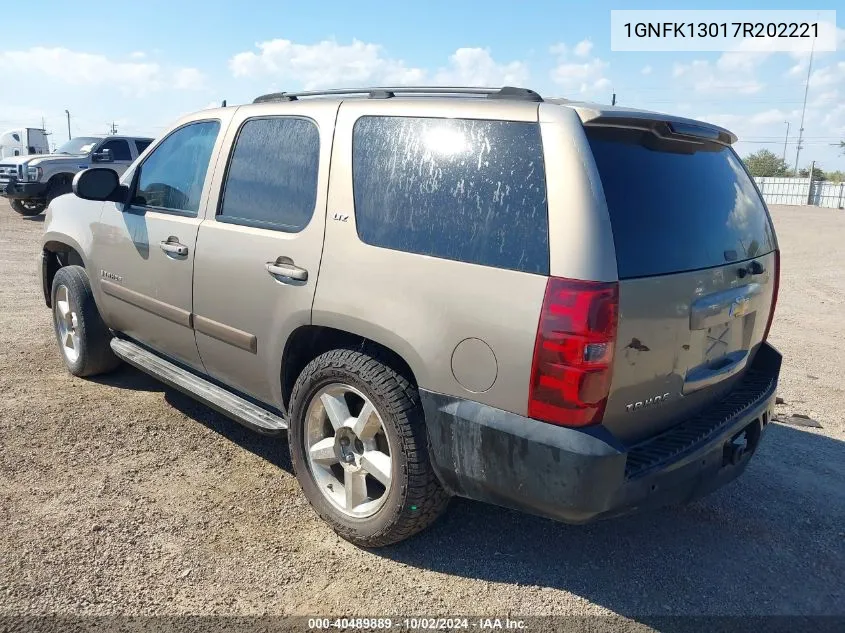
{"x": 243, "y": 314}
{"x": 580, "y": 234}
{"x": 443, "y": 317}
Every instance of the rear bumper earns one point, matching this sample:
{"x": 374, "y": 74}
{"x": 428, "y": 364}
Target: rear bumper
{"x": 24, "y": 190}
{"x": 577, "y": 475}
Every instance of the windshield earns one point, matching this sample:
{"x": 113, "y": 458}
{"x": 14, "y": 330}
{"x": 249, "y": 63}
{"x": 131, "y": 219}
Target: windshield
{"x": 78, "y": 145}
{"x": 679, "y": 210}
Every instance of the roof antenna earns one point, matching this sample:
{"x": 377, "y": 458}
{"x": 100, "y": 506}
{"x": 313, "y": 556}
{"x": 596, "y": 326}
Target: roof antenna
{"x": 224, "y": 104}
{"x": 613, "y": 101}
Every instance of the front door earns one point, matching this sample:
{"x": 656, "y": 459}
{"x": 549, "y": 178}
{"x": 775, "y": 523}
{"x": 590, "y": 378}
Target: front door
{"x": 121, "y": 155}
{"x": 145, "y": 250}
{"x": 257, "y": 259}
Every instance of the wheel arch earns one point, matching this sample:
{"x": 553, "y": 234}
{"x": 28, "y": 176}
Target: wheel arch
{"x": 309, "y": 341}
{"x": 63, "y": 175}
{"x": 55, "y": 254}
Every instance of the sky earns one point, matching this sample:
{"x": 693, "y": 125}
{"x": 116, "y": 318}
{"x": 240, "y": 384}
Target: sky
{"x": 143, "y": 67}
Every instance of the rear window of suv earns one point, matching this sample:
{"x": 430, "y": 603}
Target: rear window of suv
{"x": 676, "y": 207}
{"x": 466, "y": 190}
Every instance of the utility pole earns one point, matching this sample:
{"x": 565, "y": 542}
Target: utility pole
{"x": 68, "y": 124}
{"x": 804, "y": 108}
{"x": 810, "y": 188}
{"x": 113, "y": 129}
{"x": 784, "y": 141}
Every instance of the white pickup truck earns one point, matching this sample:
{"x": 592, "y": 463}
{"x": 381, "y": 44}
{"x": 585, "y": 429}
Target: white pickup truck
{"x": 31, "y": 182}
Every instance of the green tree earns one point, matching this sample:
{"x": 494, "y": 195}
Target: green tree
{"x": 765, "y": 163}
{"x": 818, "y": 174}
{"x": 836, "y": 176}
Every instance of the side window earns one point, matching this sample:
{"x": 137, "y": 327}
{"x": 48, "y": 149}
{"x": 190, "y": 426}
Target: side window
{"x": 272, "y": 176}
{"x": 118, "y": 147}
{"x": 459, "y": 189}
{"x": 173, "y": 175}
{"x": 141, "y": 146}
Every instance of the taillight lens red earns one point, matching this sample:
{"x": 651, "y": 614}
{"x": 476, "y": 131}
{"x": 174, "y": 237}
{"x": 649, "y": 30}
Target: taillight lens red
{"x": 775, "y": 290}
{"x": 573, "y": 353}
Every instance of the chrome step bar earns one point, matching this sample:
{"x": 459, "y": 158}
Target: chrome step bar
{"x": 218, "y": 398}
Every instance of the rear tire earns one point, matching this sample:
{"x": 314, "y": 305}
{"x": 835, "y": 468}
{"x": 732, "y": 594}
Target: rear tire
{"x": 28, "y": 208}
{"x": 83, "y": 337}
{"x": 339, "y": 385}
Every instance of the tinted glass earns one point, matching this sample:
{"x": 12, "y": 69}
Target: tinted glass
{"x": 677, "y": 210}
{"x": 272, "y": 177}
{"x": 467, "y": 190}
{"x": 142, "y": 145}
{"x": 172, "y": 176}
{"x": 119, "y": 149}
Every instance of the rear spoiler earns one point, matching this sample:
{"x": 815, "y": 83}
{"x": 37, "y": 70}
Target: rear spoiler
{"x": 662, "y": 125}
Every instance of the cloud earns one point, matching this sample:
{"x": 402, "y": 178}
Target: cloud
{"x": 330, "y": 63}
{"x": 476, "y": 67}
{"x": 646, "y": 70}
{"x": 833, "y": 75}
{"x": 729, "y": 75}
{"x": 583, "y": 48}
{"x": 188, "y": 79}
{"x": 585, "y": 75}
{"x": 326, "y": 63}
{"x": 768, "y": 117}
{"x": 89, "y": 69}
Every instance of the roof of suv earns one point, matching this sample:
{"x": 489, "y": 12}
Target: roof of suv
{"x": 589, "y": 113}
{"x": 139, "y": 138}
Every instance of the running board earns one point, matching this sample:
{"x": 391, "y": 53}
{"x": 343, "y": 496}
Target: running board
{"x": 218, "y": 398}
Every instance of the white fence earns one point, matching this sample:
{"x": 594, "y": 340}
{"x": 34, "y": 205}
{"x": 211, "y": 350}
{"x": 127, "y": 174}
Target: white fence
{"x": 802, "y": 191}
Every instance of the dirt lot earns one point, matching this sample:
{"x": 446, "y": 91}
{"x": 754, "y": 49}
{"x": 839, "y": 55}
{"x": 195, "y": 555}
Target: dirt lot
{"x": 120, "y": 497}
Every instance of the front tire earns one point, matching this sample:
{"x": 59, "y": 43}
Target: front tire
{"x": 358, "y": 446}
{"x": 28, "y": 208}
{"x": 83, "y": 337}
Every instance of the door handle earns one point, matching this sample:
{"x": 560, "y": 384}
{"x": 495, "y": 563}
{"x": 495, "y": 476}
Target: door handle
{"x": 172, "y": 246}
{"x": 284, "y": 269}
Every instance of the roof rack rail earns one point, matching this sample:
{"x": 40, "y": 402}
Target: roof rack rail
{"x": 506, "y": 92}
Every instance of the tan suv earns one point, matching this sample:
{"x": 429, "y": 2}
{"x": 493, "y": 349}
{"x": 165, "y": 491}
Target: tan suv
{"x": 554, "y": 306}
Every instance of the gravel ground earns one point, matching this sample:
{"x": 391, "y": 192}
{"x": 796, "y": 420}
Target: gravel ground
{"x": 118, "y": 496}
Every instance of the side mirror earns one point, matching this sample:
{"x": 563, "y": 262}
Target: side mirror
{"x": 100, "y": 184}
{"x": 103, "y": 156}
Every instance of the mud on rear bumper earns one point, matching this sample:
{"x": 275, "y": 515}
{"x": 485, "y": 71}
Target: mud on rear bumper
{"x": 577, "y": 475}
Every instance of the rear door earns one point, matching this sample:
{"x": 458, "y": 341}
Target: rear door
{"x": 258, "y": 252}
{"x": 696, "y": 258}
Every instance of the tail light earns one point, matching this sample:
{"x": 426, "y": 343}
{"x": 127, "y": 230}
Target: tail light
{"x": 775, "y": 290}
{"x": 573, "y": 353}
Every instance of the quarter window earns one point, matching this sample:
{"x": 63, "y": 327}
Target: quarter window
{"x": 141, "y": 146}
{"x": 173, "y": 175}
{"x": 272, "y": 176}
{"x": 459, "y": 189}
